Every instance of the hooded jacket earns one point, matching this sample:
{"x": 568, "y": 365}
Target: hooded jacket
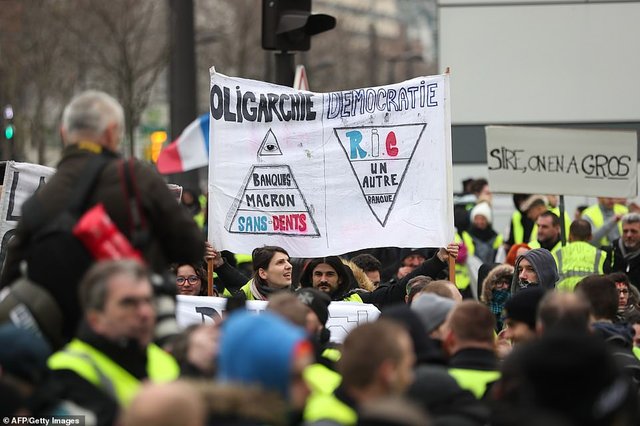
{"x": 544, "y": 265}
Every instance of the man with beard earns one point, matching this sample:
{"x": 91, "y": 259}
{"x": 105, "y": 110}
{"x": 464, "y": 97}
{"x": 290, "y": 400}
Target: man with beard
{"x": 330, "y": 275}
{"x": 536, "y": 267}
{"x": 626, "y": 250}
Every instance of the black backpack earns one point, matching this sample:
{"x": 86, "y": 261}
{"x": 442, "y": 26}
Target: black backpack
{"x": 56, "y": 259}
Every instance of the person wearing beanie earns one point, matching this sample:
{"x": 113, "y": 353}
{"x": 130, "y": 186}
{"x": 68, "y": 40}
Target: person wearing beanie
{"x": 265, "y": 351}
{"x": 536, "y": 267}
{"x": 432, "y": 311}
{"x": 23, "y": 367}
{"x": 481, "y": 239}
{"x": 520, "y": 315}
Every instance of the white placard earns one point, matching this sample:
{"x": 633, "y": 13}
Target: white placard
{"x": 21, "y": 180}
{"x": 329, "y": 173}
{"x": 562, "y": 161}
{"x": 343, "y": 316}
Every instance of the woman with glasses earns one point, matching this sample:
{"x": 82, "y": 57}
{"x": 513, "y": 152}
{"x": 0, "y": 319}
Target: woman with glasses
{"x": 496, "y": 290}
{"x": 191, "y": 279}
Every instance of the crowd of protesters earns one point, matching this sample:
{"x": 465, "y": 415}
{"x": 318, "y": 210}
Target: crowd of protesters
{"x": 530, "y": 330}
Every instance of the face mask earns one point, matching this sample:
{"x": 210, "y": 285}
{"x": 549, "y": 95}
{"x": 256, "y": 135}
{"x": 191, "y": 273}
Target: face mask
{"x": 499, "y": 297}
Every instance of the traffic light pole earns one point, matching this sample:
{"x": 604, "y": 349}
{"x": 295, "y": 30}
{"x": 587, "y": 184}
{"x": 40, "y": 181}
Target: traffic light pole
{"x": 285, "y": 68}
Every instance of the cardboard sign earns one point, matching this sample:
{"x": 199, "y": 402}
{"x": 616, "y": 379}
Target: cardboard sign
{"x": 598, "y": 163}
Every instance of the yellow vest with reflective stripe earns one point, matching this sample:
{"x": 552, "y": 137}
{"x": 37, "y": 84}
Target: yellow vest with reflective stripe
{"x": 99, "y": 370}
{"x": 475, "y": 381}
{"x": 328, "y": 407}
{"x": 595, "y": 214}
{"x": 575, "y": 261}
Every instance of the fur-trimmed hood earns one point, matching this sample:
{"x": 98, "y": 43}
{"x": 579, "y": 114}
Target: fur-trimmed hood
{"x": 497, "y": 274}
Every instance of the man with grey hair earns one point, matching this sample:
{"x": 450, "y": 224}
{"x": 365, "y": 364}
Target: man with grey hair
{"x": 626, "y": 249}
{"x": 92, "y": 129}
{"x": 102, "y": 368}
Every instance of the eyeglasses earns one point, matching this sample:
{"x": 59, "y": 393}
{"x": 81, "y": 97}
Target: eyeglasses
{"x": 623, "y": 291}
{"x": 192, "y": 279}
{"x": 503, "y": 283}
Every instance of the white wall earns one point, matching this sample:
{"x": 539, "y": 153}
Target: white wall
{"x": 573, "y": 62}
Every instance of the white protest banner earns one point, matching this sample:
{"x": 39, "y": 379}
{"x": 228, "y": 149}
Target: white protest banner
{"x": 598, "y": 163}
{"x": 343, "y": 316}
{"x": 329, "y": 173}
{"x": 21, "y": 180}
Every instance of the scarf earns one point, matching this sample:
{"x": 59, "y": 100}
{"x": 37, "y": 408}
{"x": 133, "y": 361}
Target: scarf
{"x": 628, "y": 255}
{"x": 485, "y": 235}
{"x": 498, "y": 299}
{"x": 262, "y": 292}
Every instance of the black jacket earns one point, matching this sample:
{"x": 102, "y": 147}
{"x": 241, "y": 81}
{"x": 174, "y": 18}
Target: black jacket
{"x": 174, "y": 236}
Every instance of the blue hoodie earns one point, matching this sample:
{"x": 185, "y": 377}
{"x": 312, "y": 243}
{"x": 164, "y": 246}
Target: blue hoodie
{"x": 258, "y": 350}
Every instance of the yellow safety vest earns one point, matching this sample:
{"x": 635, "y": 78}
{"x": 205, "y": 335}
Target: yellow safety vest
{"x": 518, "y": 229}
{"x": 355, "y": 297}
{"x": 595, "y": 214}
{"x": 98, "y": 369}
{"x": 575, "y": 261}
{"x": 535, "y": 244}
{"x": 246, "y": 289}
{"x": 328, "y": 407}
{"x": 475, "y": 381}
{"x": 471, "y": 246}
{"x": 321, "y": 379}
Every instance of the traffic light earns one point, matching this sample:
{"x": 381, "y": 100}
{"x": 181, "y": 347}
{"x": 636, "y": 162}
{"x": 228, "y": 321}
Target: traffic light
{"x": 9, "y": 127}
{"x": 287, "y": 25}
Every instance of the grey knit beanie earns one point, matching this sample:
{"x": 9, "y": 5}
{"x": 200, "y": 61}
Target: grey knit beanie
{"x": 432, "y": 310}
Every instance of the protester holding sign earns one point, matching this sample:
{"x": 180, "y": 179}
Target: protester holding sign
{"x": 272, "y": 273}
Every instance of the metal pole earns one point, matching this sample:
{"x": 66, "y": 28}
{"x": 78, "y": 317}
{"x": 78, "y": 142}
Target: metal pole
{"x": 563, "y": 231}
{"x": 285, "y": 69}
{"x": 182, "y": 77}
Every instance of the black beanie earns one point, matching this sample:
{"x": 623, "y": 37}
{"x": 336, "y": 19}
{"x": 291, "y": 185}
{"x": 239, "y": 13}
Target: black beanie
{"x": 523, "y": 306}
{"x": 317, "y": 300}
